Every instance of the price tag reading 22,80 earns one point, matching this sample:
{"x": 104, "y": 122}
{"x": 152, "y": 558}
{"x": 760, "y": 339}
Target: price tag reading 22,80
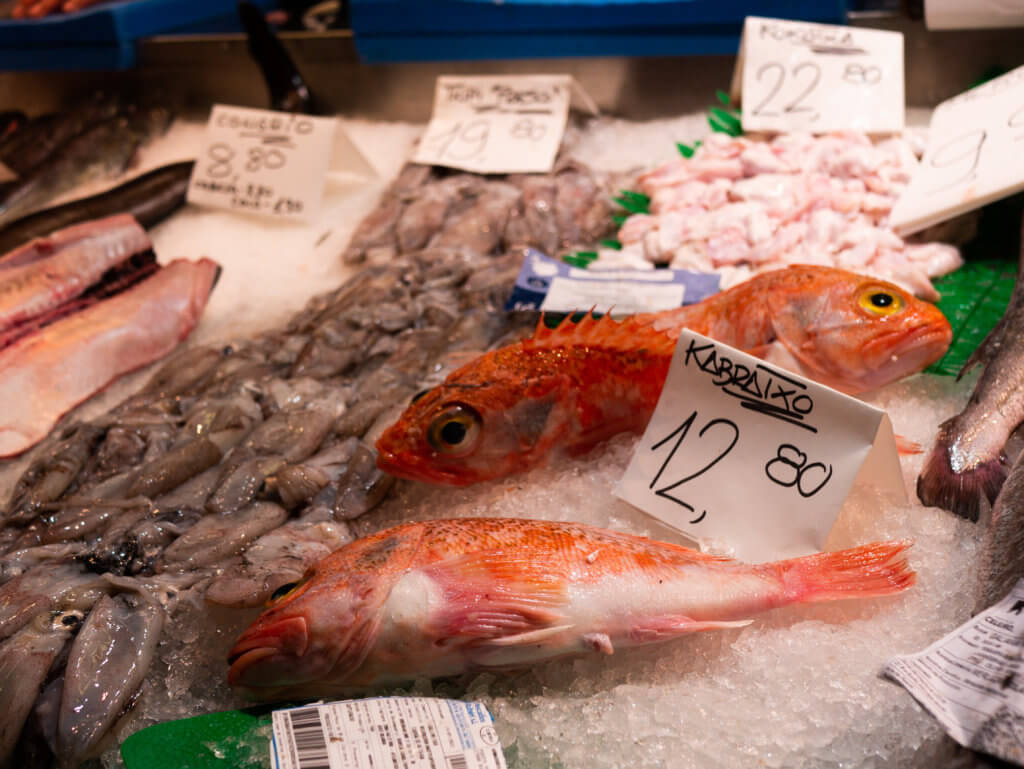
{"x": 743, "y": 453}
{"x": 272, "y": 164}
{"x": 819, "y": 77}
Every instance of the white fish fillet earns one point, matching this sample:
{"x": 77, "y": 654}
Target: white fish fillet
{"x": 45, "y": 374}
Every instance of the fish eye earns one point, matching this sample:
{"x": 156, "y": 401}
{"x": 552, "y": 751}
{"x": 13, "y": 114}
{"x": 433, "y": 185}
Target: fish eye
{"x": 455, "y": 430}
{"x": 880, "y": 301}
{"x": 283, "y": 592}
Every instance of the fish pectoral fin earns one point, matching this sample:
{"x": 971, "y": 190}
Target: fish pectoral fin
{"x": 663, "y": 628}
{"x": 529, "y": 637}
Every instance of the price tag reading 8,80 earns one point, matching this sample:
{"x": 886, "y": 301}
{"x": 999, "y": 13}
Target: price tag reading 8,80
{"x": 743, "y": 453}
{"x": 819, "y": 77}
{"x": 261, "y": 162}
{"x": 497, "y": 124}
{"x": 975, "y": 155}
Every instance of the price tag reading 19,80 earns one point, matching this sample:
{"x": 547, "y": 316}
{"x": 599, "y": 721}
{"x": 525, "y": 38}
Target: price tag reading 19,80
{"x": 742, "y": 453}
{"x": 798, "y": 76}
{"x": 975, "y": 155}
{"x": 497, "y": 124}
{"x": 261, "y": 162}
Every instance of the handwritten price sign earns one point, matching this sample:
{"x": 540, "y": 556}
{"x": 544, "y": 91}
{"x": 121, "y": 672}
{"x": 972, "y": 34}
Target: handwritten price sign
{"x": 743, "y": 453}
{"x": 819, "y": 77}
{"x": 497, "y": 124}
{"x": 975, "y": 155}
{"x": 268, "y": 163}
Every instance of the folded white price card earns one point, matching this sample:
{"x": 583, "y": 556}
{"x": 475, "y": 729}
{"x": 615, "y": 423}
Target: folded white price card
{"x": 382, "y": 732}
{"x": 972, "y": 680}
{"x": 272, "y": 164}
{"x": 497, "y": 123}
{"x": 745, "y": 454}
{"x": 799, "y": 76}
{"x": 975, "y": 155}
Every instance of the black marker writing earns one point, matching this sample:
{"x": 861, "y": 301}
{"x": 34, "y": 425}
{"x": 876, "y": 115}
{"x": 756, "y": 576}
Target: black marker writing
{"x": 761, "y": 389}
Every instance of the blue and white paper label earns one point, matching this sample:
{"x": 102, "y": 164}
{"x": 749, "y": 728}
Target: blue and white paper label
{"x": 553, "y": 286}
{"x": 386, "y": 733}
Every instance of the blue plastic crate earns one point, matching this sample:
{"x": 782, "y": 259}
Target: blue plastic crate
{"x": 446, "y": 30}
{"x": 104, "y": 37}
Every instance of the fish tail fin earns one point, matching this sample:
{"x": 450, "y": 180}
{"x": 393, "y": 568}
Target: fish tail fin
{"x": 964, "y": 493}
{"x": 879, "y": 568}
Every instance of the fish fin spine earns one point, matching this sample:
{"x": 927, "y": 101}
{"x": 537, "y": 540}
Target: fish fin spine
{"x": 625, "y": 334}
{"x": 875, "y": 569}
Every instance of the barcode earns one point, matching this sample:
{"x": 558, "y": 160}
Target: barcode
{"x": 308, "y": 736}
{"x": 457, "y": 762}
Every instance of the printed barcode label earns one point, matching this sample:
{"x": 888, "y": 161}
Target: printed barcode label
{"x": 308, "y": 738}
{"x": 399, "y": 732}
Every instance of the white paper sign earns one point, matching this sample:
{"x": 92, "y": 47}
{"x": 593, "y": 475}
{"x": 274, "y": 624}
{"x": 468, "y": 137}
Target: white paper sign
{"x": 799, "y": 76}
{"x": 745, "y": 454}
{"x": 975, "y": 155}
{"x": 268, "y": 163}
{"x": 972, "y": 680}
{"x": 497, "y": 124}
{"x": 387, "y": 732}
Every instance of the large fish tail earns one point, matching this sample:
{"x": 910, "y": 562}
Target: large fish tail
{"x": 879, "y": 568}
{"x": 963, "y": 493}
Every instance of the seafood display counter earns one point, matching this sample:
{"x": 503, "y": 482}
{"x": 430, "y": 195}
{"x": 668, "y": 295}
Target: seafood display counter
{"x": 253, "y": 513}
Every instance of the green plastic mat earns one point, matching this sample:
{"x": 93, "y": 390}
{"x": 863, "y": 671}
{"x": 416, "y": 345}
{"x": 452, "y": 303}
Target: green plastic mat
{"x": 974, "y": 298}
{"x": 234, "y": 739}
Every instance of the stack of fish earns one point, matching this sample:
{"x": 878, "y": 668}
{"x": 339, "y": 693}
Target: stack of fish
{"x": 233, "y": 470}
{"x": 237, "y": 467}
{"x": 427, "y": 206}
{"x": 53, "y": 154}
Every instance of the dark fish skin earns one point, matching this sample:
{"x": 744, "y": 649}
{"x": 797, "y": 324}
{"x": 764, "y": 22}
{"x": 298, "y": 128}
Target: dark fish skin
{"x": 29, "y": 147}
{"x": 104, "y": 148}
{"x": 967, "y": 465}
{"x": 1002, "y": 562}
{"x": 150, "y": 198}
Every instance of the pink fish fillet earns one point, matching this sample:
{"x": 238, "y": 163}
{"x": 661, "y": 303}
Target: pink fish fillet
{"x": 32, "y": 288}
{"x": 49, "y": 372}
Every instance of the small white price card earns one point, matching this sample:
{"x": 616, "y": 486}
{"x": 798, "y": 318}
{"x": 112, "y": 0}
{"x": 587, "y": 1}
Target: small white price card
{"x": 497, "y": 124}
{"x": 745, "y": 454}
{"x": 799, "y": 76}
{"x": 975, "y": 155}
{"x": 387, "y": 733}
{"x": 273, "y": 164}
{"x": 972, "y": 680}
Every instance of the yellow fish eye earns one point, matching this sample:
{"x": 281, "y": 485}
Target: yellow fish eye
{"x": 880, "y": 301}
{"x": 455, "y": 430}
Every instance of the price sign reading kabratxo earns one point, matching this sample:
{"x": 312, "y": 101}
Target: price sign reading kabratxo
{"x": 798, "y": 76}
{"x": 497, "y": 124}
{"x": 975, "y": 155}
{"x": 261, "y": 162}
{"x": 743, "y": 453}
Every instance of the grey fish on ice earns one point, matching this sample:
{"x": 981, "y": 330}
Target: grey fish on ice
{"x": 967, "y": 465}
{"x": 109, "y": 658}
{"x": 25, "y": 659}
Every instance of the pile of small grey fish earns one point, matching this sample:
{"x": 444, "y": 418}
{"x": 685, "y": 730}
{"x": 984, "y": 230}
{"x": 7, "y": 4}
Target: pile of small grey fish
{"x": 237, "y": 467}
